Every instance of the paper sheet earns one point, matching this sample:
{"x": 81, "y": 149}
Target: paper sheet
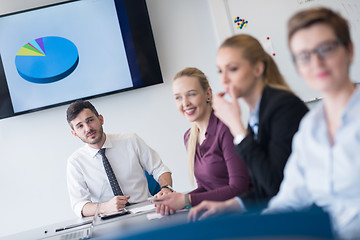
{"x": 151, "y": 216}
{"x": 142, "y": 209}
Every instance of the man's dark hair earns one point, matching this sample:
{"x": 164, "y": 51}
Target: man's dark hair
{"x": 76, "y": 107}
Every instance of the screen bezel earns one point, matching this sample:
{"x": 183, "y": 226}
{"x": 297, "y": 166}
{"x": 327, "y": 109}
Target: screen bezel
{"x": 139, "y": 45}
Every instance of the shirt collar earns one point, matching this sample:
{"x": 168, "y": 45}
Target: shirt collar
{"x": 318, "y": 115}
{"x": 254, "y": 115}
{"x": 93, "y": 151}
{"x": 353, "y": 101}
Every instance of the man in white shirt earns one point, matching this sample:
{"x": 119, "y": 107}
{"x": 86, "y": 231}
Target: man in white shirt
{"x": 128, "y": 155}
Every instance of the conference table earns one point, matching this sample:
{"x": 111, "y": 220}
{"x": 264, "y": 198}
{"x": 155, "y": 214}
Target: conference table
{"x": 142, "y": 217}
{"x": 144, "y": 223}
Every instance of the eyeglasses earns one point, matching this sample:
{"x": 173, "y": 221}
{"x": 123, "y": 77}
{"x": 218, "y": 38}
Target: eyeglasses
{"x": 323, "y": 51}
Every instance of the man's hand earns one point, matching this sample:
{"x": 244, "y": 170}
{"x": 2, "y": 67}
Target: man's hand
{"x": 162, "y": 192}
{"x": 114, "y": 205}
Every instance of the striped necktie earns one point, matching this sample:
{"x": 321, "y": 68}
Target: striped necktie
{"x": 110, "y": 173}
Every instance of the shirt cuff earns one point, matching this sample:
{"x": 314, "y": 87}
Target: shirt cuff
{"x": 78, "y": 208}
{"x": 238, "y": 138}
{"x": 241, "y": 203}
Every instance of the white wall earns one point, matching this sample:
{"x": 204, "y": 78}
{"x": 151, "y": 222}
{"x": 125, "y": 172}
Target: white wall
{"x": 34, "y": 147}
{"x": 271, "y": 21}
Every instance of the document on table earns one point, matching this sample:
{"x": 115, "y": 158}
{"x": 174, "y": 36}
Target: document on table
{"x": 142, "y": 209}
{"x": 154, "y": 215}
{"x": 151, "y": 216}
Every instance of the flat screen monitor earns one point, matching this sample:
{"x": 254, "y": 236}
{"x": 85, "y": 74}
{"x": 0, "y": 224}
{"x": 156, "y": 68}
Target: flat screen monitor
{"x": 77, "y": 49}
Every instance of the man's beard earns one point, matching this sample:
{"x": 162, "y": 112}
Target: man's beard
{"x": 95, "y": 140}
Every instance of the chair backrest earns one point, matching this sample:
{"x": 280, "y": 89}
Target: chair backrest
{"x": 153, "y": 185}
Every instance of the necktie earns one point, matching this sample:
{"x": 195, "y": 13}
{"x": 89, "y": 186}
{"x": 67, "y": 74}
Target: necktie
{"x": 255, "y": 128}
{"x": 254, "y": 125}
{"x": 110, "y": 173}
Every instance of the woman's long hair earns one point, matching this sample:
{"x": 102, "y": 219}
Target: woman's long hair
{"x": 194, "y": 131}
{"x": 252, "y": 50}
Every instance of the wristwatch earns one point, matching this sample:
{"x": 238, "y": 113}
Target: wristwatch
{"x": 238, "y": 138}
{"x": 187, "y": 202}
{"x": 169, "y": 187}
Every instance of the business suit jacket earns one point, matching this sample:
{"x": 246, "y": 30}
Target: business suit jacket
{"x": 279, "y": 117}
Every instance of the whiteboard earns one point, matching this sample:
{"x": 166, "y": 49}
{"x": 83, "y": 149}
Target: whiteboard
{"x": 267, "y": 21}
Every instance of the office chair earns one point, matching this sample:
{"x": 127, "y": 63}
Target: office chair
{"x": 153, "y": 185}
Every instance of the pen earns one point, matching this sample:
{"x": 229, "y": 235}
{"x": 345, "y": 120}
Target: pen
{"x": 73, "y": 226}
{"x": 154, "y": 199}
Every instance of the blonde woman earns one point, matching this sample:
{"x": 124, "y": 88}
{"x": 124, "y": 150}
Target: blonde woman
{"x": 324, "y": 166}
{"x": 220, "y": 173}
{"x": 248, "y": 72}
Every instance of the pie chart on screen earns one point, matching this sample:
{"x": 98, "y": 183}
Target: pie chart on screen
{"x": 47, "y": 59}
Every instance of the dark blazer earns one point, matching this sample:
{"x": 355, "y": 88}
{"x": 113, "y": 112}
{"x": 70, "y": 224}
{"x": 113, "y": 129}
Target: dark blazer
{"x": 279, "y": 117}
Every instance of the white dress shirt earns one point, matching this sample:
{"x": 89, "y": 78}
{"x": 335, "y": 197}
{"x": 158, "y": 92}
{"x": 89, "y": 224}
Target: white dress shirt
{"x": 254, "y": 118}
{"x": 324, "y": 174}
{"x": 128, "y": 155}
